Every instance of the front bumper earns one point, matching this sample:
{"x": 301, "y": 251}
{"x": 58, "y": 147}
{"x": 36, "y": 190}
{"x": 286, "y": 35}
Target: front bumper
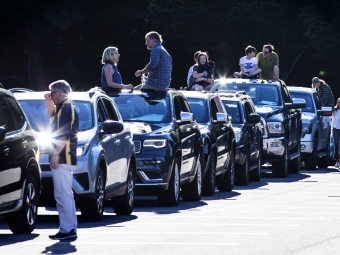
{"x": 273, "y": 148}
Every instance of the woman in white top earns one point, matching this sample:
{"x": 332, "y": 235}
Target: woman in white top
{"x": 336, "y": 131}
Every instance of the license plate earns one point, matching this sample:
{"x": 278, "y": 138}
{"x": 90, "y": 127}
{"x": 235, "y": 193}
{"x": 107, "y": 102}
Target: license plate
{"x": 43, "y": 158}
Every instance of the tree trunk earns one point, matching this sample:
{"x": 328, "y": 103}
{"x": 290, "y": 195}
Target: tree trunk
{"x": 34, "y": 55}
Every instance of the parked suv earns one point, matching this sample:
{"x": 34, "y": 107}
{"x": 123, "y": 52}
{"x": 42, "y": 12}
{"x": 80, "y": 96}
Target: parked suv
{"x": 106, "y": 165}
{"x": 218, "y": 141}
{"x": 167, "y": 143}
{"x": 283, "y": 121}
{"x": 248, "y": 132}
{"x": 20, "y": 181}
{"x": 315, "y": 137}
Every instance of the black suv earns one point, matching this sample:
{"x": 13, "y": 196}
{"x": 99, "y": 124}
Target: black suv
{"x": 218, "y": 141}
{"x": 282, "y": 115}
{"x": 248, "y": 133}
{"x": 167, "y": 143}
{"x": 20, "y": 174}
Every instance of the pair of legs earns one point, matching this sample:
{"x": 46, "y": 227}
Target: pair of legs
{"x": 212, "y": 87}
{"x": 246, "y": 76}
{"x": 63, "y": 194}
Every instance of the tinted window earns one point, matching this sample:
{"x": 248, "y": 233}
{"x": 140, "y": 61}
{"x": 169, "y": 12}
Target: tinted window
{"x": 199, "y": 108}
{"x": 233, "y": 111}
{"x": 17, "y": 112}
{"x": 307, "y": 97}
{"x": 260, "y": 94}
{"x": 143, "y": 108}
{"x": 6, "y": 118}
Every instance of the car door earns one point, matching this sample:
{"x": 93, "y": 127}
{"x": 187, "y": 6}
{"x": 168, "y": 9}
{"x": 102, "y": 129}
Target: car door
{"x": 322, "y": 135}
{"x": 293, "y": 116}
{"x": 186, "y": 133}
{"x": 12, "y": 149}
{"x": 222, "y": 133}
{"x": 110, "y": 145}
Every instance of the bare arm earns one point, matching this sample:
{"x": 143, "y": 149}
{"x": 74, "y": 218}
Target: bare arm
{"x": 108, "y": 70}
{"x": 49, "y": 103}
{"x": 276, "y": 72}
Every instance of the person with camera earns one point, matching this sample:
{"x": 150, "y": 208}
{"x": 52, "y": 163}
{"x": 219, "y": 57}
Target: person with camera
{"x": 203, "y": 74}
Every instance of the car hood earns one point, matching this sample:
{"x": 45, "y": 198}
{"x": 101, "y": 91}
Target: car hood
{"x": 146, "y": 128}
{"x": 267, "y": 111}
{"x": 85, "y": 136}
{"x": 308, "y": 117}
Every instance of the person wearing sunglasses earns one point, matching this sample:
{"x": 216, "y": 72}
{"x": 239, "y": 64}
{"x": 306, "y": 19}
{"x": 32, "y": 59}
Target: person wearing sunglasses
{"x": 268, "y": 62}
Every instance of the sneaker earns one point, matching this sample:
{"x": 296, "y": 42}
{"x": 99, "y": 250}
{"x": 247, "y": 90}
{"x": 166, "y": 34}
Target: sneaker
{"x": 337, "y": 164}
{"x": 64, "y": 236}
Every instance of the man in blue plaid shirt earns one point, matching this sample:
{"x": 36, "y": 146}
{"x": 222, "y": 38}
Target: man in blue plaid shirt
{"x": 160, "y": 66}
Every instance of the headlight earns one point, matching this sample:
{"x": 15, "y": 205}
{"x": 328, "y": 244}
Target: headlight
{"x": 155, "y": 143}
{"x": 82, "y": 149}
{"x": 306, "y": 129}
{"x": 275, "y": 127}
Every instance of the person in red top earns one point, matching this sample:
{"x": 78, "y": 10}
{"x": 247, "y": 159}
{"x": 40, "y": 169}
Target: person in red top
{"x": 63, "y": 161}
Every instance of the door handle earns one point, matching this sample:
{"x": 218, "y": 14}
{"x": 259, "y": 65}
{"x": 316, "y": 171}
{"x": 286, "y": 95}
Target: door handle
{"x": 6, "y": 150}
{"x": 117, "y": 141}
{"x": 24, "y": 143}
{"x": 188, "y": 129}
{"x": 223, "y": 128}
{"x": 127, "y": 137}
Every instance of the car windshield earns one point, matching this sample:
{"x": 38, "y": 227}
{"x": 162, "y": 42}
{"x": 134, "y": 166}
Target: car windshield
{"x": 307, "y": 97}
{"x": 232, "y": 108}
{"x": 265, "y": 94}
{"x": 141, "y": 108}
{"x": 37, "y": 115}
{"x": 199, "y": 108}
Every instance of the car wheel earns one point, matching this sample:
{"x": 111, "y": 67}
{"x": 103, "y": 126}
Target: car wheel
{"x": 311, "y": 159}
{"x": 171, "y": 196}
{"x": 280, "y": 168}
{"x": 92, "y": 209}
{"x": 193, "y": 190}
{"x": 255, "y": 175}
{"x": 24, "y": 220}
{"x": 123, "y": 205}
{"x": 242, "y": 172}
{"x": 209, "y": 180}
{"x": 226, "y": 182}
{"x": 295, "y": 163}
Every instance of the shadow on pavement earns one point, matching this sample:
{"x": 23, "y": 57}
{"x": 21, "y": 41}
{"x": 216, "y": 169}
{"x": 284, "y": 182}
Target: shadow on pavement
{"x": 8, "y": 239}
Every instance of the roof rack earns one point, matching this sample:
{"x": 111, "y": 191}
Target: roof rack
{"x": 20, "y": 90}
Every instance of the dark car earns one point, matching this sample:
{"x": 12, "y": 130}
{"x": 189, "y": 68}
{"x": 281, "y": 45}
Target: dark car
{"x": 282, "y": 115}
{"x": 248, "y": 132}
{"x": 106, "y": 163}
{"x": 218, "y": 141}
{"x": 20, "y": 174}
{"x": 167, "y": 143}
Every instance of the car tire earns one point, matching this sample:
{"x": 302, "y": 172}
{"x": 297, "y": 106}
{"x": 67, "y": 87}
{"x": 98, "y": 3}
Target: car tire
{"x": 92, "y": 209}
{"x": 255, "y": 175}
{"x": 280, "y": 168}
{"x": 242, "y": 171}
{"x": 295, "y": 163}
{"x": 25, "y": 220}
{"x": 123, "y": 205}
{"x": 193, "y": 190}
{"x": 171, "y": 196}
{"x": 209, "y": 183}
{"x": 311, "y": 159}
{"x": 226, "y": 182}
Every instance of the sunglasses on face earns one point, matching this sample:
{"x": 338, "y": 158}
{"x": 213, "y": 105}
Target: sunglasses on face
{"x": 265, "y": 52}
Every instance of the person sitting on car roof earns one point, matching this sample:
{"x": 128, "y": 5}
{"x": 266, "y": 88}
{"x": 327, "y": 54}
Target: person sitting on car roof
{"x": 248, "y": 65}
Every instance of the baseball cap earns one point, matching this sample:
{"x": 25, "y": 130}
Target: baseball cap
{"x": 315, "y": 80}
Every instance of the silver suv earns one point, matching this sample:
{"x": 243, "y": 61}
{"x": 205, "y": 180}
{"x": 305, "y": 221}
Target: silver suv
{"x": 106, "y": 160}
{"x": 315, "y": 130}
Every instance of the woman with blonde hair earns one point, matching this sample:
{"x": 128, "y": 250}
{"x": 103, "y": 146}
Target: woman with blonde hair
{"x": 110, "y": 76}
{"x": 335, "y": 124}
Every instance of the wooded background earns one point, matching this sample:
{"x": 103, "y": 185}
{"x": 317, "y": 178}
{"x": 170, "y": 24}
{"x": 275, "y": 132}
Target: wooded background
{"x": 46, "y": 40}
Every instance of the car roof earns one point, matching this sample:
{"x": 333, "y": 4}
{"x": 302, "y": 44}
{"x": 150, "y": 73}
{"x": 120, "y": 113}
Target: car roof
{"x": 233, "y": 95}
{"x": 197, "y": 94}
{"x": 300, "y": 89}
{"x": 248, "y": 81}
{"x": 80, "y": 96}
{"x": 137, "y": 92}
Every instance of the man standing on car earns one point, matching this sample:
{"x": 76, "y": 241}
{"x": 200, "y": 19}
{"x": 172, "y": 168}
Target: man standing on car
{"x": 63, "y": 161}
{"x": 160, "y": 66}
{"x": 268, "y": 62}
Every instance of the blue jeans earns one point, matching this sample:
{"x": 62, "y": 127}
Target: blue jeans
{"x": 336, "y": 135}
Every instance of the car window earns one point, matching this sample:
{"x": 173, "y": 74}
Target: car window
{"x": 110, "y": 111}
{"x": 85, "y": 114}
{"x": 178, "y": 108}
{"x": 247, "y": 107}
{"x": 36, "y": 113}
{"x": 142, "y": 108}
{"x": 317, "y": 101}
{"x": 307, "y": 97}
{"x": 17, "y": 112}
{"x": 199, "y": 108}
{"x": 285, "y": 95}
{"x": 6, "y": 118}
{"x": 232, "y": 108}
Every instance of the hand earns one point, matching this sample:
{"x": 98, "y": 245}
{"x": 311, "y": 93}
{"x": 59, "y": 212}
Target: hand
{"x": 54, "y": 161}
{"x": 129, "y": 86}
{"x": 205, "y": 73}
{"x": 138, "y": 73}
{"x": 48, "y": 96}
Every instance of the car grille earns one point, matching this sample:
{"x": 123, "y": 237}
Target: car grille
{"x": 138, "y": 145}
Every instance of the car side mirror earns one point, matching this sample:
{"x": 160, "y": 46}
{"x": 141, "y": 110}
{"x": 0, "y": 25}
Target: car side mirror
{"x": 297, "y": 103}
{"x": 325, "y": 111}
{"x": 187, "y": 117}
{"x": 221, "y": 117}
{"x": 112, "y": 127}
{"x": 254, "y": 118}
{"x": 2, "y": 133}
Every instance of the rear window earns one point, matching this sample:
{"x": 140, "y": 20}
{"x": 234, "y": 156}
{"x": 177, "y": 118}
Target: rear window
{"x": 233, "y": 111}
{"x": 199, "y": 108}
